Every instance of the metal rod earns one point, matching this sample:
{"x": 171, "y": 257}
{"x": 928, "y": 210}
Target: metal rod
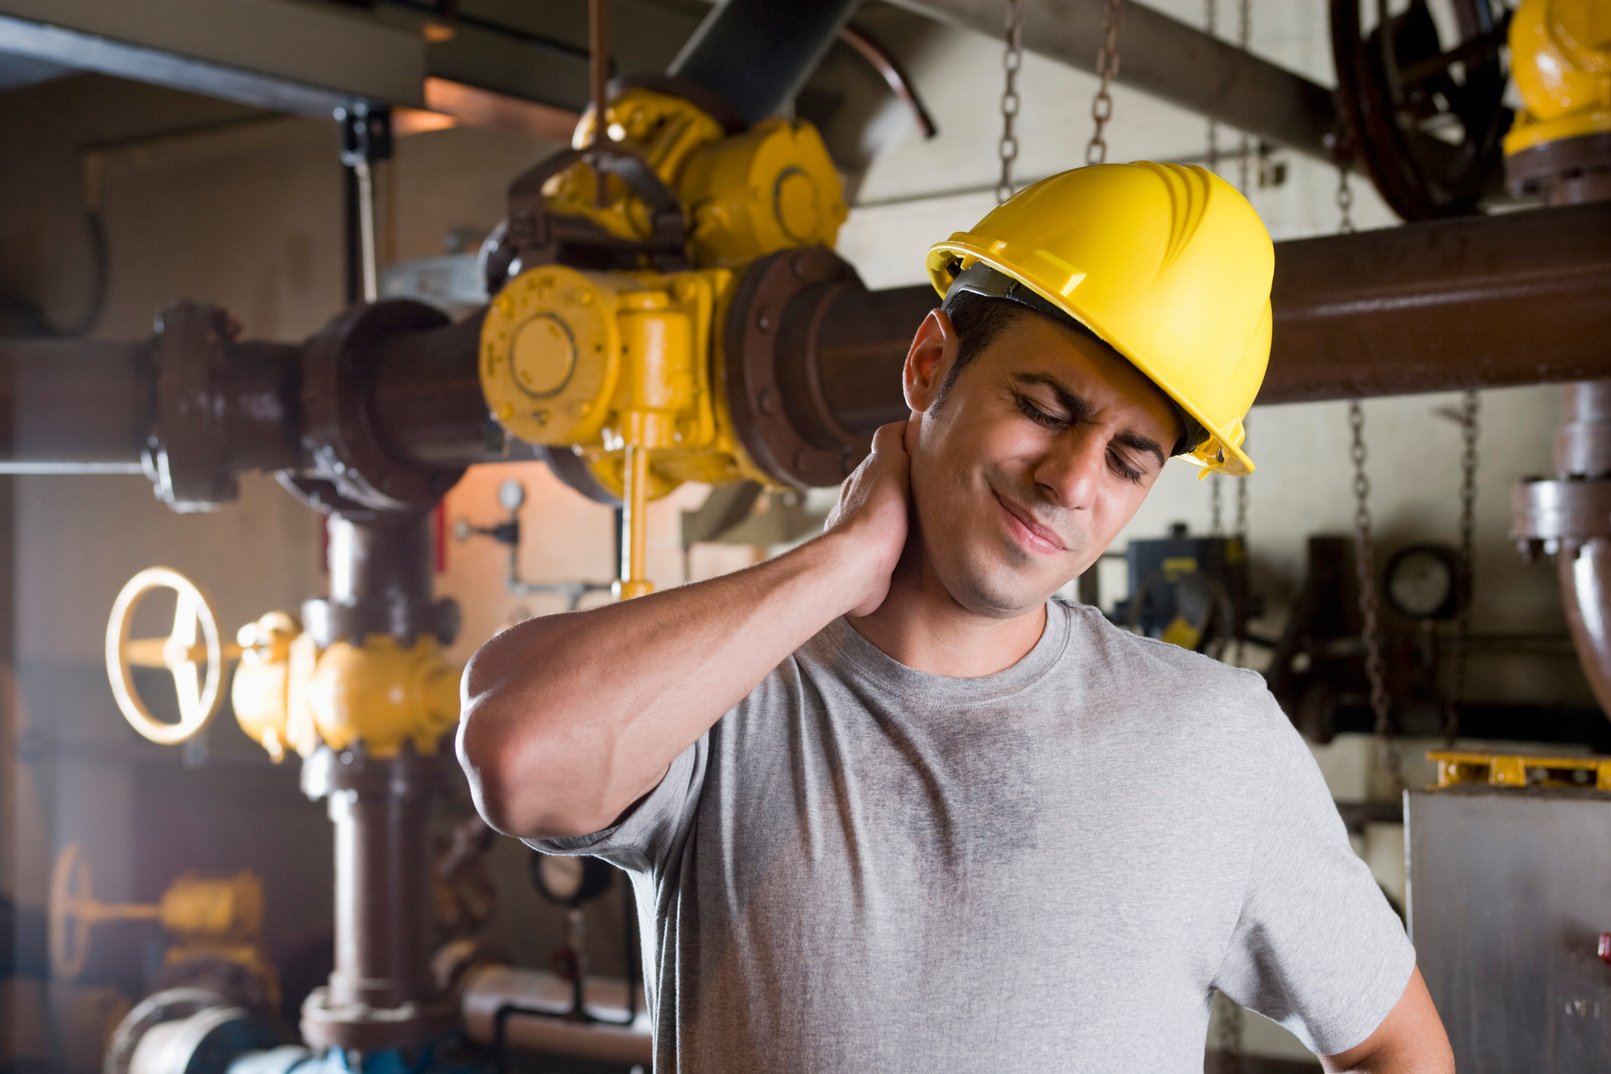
{"x": 364, "y": 175}
{"x": 634, "y": 521}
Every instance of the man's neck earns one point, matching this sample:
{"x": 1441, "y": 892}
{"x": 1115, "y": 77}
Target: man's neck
{"x": 920, "y": 624}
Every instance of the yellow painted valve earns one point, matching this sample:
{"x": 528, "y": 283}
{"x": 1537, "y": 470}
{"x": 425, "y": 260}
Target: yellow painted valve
{"x": 623, "y": 367}
{"x": 288, "y": 694}
{"x": 221, "y": 910}
{"x": 617, "y": 366}
{"x": 1561, "y": 61}
{"x": 383, "y": 694}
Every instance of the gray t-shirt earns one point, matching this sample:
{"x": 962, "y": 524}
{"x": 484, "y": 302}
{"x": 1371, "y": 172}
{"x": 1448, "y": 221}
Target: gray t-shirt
{"x": 863, "y": 867}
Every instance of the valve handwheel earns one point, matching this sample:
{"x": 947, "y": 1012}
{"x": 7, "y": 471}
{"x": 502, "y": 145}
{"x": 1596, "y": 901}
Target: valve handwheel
{"x": 192, "y": 653}
{"x": 71, "y": 898}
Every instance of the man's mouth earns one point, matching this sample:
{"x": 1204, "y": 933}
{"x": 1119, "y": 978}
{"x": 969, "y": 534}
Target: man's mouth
{"x": 1030, "y": 532}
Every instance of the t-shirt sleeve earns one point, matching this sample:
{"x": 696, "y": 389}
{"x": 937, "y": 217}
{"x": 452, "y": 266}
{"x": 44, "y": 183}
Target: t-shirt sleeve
{"x": 1317, "y": 947}
{"x": 642, "y": 839}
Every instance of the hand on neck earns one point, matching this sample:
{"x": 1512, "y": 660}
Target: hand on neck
{"x": 921, "y": 624}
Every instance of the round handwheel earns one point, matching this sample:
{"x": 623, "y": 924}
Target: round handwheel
{"x": 192, "y": 653}
{"x": 72, "y": 914}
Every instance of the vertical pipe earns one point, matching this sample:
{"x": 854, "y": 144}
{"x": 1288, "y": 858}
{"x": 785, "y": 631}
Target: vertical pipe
{"x": 383, "y": 919}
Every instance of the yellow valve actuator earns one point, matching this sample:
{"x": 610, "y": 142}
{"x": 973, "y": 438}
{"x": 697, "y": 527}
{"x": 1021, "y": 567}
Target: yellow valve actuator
{"x": 1561, "y": 61}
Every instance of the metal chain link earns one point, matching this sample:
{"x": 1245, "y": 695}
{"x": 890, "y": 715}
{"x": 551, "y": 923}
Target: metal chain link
{"x": 1244, "y": 144}
{"x": 1364, "y": 547}
{"x": 1012, "y": 60}
{"x": 1469, "y": 431}
{"x": 1365, "y": 577}
{"x": 1107, "y": 68}
{"x": 1211, "y": 25}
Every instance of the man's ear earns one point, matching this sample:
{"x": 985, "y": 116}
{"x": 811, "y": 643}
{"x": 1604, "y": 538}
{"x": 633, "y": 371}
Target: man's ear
{"x": 929, "y": 360}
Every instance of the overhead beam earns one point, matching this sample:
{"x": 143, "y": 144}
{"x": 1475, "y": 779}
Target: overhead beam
{"x": 282, "y": 55}
{"x": 1167, "y": 59}
{"x": 298, "y": 57}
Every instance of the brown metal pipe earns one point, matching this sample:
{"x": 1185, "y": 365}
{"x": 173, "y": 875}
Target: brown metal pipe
{"x": 1477, "y": 302}
{"x": 427, "y": 404}
{"x": 80, "y": 407}
{"x": 382, "y": 904}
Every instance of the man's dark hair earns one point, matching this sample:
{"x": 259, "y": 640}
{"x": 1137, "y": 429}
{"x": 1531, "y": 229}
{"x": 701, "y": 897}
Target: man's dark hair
{"x": 978, "y": 319}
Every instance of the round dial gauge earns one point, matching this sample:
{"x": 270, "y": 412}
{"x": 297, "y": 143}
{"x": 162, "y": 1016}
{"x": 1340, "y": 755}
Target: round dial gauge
{"x": 570, "y": 881}
{"x": 511, "y": 494}
{"x": 1425, "y": 582}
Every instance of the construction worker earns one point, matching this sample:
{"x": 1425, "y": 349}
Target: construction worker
{"x": 885, "y": 804}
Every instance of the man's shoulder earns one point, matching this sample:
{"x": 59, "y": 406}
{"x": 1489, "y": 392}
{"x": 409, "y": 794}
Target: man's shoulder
{"x": 1154, "y": 660}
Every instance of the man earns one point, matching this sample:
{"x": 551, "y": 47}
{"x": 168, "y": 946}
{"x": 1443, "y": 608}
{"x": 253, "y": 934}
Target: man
{"x": 888, "y": 807}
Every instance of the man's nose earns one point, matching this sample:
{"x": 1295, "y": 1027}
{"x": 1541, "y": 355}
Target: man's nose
{"x": 1071, "y": 471}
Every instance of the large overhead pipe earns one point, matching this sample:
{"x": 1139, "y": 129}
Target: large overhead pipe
{"x": 1168, "y": 60}
{"x": 1477, "y": 302}
{"x": 756, "y": 54}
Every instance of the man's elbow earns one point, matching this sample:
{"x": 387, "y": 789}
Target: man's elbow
{"x": 516, "y": 781}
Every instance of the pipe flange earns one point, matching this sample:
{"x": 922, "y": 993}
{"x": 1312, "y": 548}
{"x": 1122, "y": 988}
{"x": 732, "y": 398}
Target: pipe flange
{"x": 1552, "y": 515}
{"x": 330, "y": 621}
{"x": 1565, "y": 171}
{"x": 365, "y": 1028}
{"x": 353, "y": 469}
{"x": 406, "y": 774}
{"x": 773, "y": 398}
{"x": 186, "y": 453}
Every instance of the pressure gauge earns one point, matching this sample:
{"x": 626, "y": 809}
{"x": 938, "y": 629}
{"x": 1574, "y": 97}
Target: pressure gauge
{"x": 570, "y": 881}
{"x": 1426, "y": 581}
{"x": 511, "y": 494}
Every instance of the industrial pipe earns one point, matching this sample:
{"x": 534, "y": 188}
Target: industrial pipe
{"x": 80, "y": 407}
{"x": 1477, "y": 302}
{"x": 508, "y": 1007}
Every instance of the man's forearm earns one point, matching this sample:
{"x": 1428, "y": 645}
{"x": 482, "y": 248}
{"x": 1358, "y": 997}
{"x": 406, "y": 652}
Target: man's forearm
{"x": 569, "y": 719}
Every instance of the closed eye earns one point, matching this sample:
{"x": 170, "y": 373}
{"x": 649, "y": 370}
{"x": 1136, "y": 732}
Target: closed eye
{"x": 1037, "y": 415}
{"x": 1124, "y": 469}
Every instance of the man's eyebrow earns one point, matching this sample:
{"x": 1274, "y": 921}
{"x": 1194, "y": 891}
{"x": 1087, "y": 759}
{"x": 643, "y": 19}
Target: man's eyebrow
{"x": 1080, "y": 410}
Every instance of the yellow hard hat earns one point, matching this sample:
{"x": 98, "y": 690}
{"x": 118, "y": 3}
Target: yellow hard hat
{"x": 1167, "y": 263}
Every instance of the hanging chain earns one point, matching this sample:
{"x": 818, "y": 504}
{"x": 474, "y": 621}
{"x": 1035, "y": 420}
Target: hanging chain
{"x": 1244, "y": 144}
{"x": 1011, "y": 61}
{"x": 1364, "y": 548}
{"x": 1365, "y": 577}
{"x": 1211, "y": 25}
{"x": 1469, "y": 431}
{"x": 1107, "y": 68}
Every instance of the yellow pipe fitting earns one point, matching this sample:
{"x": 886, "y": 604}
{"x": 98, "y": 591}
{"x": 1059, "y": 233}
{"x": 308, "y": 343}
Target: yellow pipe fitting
{"x": 382, "y": 695}
{"x": 220, "y": 909}
{"x": 661, "y": 129}
{"x": 1561, "y": 60}
{"x": 261, "y": 691}
{"x": 771, "y": 188}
